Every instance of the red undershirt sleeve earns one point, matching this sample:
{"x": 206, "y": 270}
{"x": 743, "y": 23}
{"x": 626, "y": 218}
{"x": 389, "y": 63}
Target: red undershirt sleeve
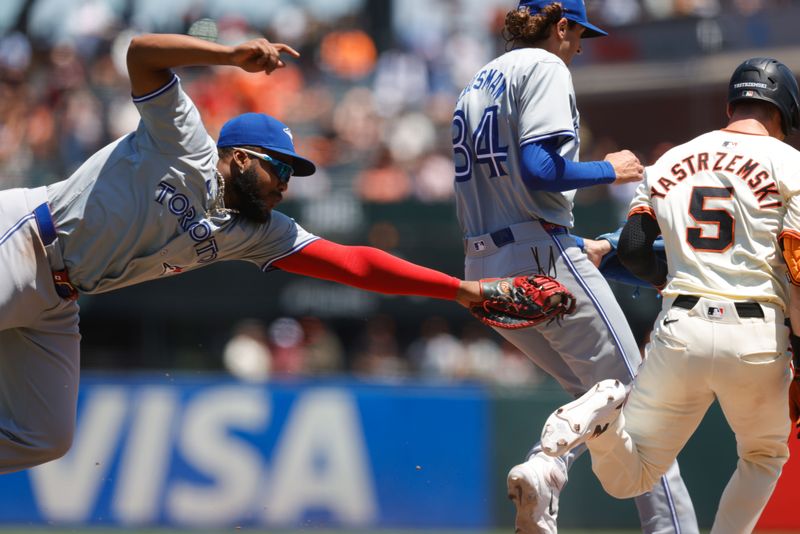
{"x": 368, "y": 268}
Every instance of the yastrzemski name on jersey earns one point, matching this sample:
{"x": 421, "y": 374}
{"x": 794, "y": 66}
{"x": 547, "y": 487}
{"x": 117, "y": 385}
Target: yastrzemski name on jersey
{"x": 721, "y": 200}
{"x": 757, "y": 178}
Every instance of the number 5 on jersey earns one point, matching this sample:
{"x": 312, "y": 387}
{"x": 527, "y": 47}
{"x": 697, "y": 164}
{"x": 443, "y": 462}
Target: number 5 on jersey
{"x": 481, "y": 147}
{"x": 722, "y": 218}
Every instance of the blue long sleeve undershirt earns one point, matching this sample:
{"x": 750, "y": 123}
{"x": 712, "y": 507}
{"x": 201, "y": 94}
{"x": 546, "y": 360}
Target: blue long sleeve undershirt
{"x": 543, "y": 169}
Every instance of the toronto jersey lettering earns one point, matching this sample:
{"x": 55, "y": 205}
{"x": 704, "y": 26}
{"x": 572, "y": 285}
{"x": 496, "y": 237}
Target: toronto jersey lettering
{"x": 721, "y": 202}
{"x": 199, "y": 230}
{"x": 147, "y": 200}
{"x": 523, "y": 96}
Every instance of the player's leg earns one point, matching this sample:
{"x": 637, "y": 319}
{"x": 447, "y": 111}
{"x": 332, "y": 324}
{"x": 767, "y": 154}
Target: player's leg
{"x": 585, "y": 347}
{"x": 633, "y": 451}
{"x": 537, "y": 344}
{"x": 535, "y": 484}
{"x": 592, "y": 344}
{"x": 668, "y": 400}
{"x": 39, "y": 376}
{"x": 752, "y": 387}
{"x": 597, "y": 344}
{"x": 596, "y": 341}
{"x": 39, "y": 346}
{"x": 536, "y": 347}
{"x": 672, "y": 501}
{"x": 534, "y": 487}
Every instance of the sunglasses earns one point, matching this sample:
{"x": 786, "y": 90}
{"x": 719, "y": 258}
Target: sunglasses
{"x": 283, "y": 170}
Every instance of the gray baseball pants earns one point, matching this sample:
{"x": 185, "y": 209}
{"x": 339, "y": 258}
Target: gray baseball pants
{"x": 39, "y": 342}
{"x": 593, "y": 344}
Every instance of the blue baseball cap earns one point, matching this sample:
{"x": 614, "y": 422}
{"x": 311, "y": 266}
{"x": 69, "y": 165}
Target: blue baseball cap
{"x": 258, "y": 129}
{"x": 574, "y": 10}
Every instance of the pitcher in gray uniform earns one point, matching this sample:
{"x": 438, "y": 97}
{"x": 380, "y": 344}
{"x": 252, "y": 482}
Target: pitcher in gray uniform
{"x": 162, "y": 200}
{"x": 516, "y": 145}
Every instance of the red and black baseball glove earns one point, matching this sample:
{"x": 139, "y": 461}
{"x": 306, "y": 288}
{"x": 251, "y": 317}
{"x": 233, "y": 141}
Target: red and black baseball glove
{"x": 522, "y": 301}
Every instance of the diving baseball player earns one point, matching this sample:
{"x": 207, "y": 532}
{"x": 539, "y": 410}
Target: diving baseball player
{"x": 727, "y": 206}
{"x": 516, "y": 151}
{"x": 162, "y": 200}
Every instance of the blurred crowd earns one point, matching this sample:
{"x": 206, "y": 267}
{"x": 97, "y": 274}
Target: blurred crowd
{"x": 294, "y": 348}
{"x": 370, "y": 100}
{"x": 622, "y": 12}
{"x": 375, "y": 123}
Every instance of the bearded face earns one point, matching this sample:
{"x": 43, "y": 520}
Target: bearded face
{"x": 253, "y": 201}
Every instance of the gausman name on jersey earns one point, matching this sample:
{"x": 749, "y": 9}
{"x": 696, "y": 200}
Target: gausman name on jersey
{"x": 757, "y": 178}
{"x": 490, "y": 80}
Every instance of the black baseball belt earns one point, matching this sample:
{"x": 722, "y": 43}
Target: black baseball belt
{"x": 744, "y": 309}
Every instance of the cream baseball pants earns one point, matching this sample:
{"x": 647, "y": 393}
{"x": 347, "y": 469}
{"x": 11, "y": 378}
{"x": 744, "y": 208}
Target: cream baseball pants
{"x": 711, "y": 351}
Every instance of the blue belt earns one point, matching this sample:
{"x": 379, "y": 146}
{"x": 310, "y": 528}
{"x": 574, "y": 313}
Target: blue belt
{"x": 47, "y": 233}
{"x": 504, "y": 236}
{"x": 47, "y": 230}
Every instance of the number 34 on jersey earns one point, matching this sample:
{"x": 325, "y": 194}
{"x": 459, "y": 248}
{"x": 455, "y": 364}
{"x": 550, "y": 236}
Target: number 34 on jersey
{"x": 483, "y": 147}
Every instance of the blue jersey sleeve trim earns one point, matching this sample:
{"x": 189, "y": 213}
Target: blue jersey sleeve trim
{"x": 267, "y": 267}
{"x": 544, "y": 169}
{"x": 150, "y": 96}
{"x": 568, "y": 134}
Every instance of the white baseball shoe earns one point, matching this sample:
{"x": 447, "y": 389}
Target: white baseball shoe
{"x": 584, "y": 418}
{"x": 534, "y": 487}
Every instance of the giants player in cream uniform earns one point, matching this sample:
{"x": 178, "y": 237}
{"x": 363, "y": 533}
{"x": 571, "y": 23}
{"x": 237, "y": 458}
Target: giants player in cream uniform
{"x": 726, "y": 204}
{"x": 516, "y": 150}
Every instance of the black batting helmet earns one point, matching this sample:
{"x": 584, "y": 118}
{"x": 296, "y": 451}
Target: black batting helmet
{"x": 767, "y": 79}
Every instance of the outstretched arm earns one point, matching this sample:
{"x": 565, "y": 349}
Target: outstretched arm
{"x": 375, "y": 270}
{"x": 151, "y": 56}
{"x": 515, "y": 302}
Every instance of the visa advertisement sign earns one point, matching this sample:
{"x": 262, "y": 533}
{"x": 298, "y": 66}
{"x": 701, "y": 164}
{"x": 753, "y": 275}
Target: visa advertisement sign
{"x": 213, "y": 452}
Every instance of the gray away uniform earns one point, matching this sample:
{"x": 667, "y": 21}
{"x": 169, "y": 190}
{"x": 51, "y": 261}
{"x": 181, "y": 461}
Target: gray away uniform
{"x": 141, "y": 208}
{"x": 525, "y": 96}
